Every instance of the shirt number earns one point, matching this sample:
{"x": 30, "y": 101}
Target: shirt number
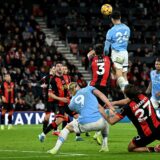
{"x": 141, "y": 114}
{"x": 122, "y": 37}
{"x": 101, "y": 69}
{"x": 79, "y": 100}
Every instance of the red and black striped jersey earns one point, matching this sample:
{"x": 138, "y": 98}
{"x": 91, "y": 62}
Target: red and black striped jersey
{"x": 59, "y": 87}
{"x": 101, "y": 67}
{"x": 47, "y": 80}
{"x": 142, "y": 114}
{"x": 67, "y": 78}
{"x": 8, "y": 91}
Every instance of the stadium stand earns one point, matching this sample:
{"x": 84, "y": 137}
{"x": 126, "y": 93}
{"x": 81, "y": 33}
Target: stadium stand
{"x": 27, "y": 53}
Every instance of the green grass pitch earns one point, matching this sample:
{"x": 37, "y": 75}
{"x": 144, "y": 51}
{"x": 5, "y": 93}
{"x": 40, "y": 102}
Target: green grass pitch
{"x": 21, "y": 143}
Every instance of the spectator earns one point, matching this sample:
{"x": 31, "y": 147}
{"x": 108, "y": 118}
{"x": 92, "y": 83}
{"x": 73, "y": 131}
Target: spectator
{"x": 40, "y": 106}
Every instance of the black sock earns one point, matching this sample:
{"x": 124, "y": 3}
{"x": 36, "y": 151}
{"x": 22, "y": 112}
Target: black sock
{"x": 78, "y": 134}
{"x": 64, "y": 123}
{"x": 53, "y": 125}
{"x": 2, "y": 119}
{"x": 45, "y": 124}
{"x": 9, "y": 119}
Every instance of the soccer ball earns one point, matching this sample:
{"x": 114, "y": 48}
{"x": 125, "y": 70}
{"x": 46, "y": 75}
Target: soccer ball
{"x": 106, "y": 9}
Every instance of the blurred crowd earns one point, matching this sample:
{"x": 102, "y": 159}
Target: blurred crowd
{"x": 26, "y": 53}
{"x": 82, "y": 25}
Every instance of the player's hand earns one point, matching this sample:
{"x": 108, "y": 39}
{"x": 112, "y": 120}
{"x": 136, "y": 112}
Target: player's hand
{"x": 4, "y": 99}
{"x": 65, "y": 100}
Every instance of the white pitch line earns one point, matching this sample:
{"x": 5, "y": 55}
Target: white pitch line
{"x": 22, "y": 151}
{"x": 24, "y": 157}
{"x": 60, "y": 154}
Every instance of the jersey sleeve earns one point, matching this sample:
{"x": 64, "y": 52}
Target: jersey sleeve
{"x": 71, "y": 105}
{"x": 91, "y": 88}
{"x": 107, "y": 43}
{"x": 123, "y": 112}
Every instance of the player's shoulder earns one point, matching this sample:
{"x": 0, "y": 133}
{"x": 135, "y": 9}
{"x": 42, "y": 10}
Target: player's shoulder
{"x": 153, "y": 72}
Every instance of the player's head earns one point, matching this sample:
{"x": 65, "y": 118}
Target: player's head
{"x": 157, "y": 64}
{"x": 132, "y": 91}
{"x": 115, "y": 16}
{"x": 52, "y": 70}
{"x": 59, "y": 68}
{"x": 7, "y": 77}
{"x": 65, "y": 69}
{"x": 73, "y": 87}
{"x": 98, "y": 49}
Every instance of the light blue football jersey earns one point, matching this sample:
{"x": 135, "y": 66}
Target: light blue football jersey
{"x": 117, "y": 37}
{"x": 155, "y": 79}
{"x": 85, "y": 103}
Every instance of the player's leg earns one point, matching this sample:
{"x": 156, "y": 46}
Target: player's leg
{"x": 63, "y": 136}
{"x": 125, "y": 67}
{"x": 118, "y": 60}
{"x": 75, "y": 116}
{"x": 53, "y": 126}
{"x": 10, "y": 113}
{"x": 46, "y": 120}
{"x": 139, "y": 144}
{"x": 98, "y": 135}
{"x": 3, "y": 117}
{"x": 47, "y": 115}
{"x": 105, "y": 133}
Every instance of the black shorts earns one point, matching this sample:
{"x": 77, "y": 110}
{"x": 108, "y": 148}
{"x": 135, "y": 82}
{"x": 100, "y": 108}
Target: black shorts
{"x": 8, "y": 107}
{"x": 65, "y": 109}
{"x": 51, "y": 107}
{"x": 104, "y": 90}
{"x": 142, "y": 141}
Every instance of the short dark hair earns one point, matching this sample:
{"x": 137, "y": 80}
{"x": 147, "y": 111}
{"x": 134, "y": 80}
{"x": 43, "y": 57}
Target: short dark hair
{"x": 132, "y": 91}
{"x": 58, "y": 62}
{"x": 158, "y": 59}
{"x": 116, "y": 15}
{"x": 98, "y": 49}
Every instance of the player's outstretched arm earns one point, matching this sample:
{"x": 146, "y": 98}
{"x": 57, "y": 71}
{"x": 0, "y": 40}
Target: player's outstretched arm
{"x": 110, "y": 119}
{"x": 121, "y": 102}
{"x": 99, "y": 94}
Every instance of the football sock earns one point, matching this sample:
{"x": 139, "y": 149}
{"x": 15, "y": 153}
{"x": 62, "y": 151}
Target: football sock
{"x": 53, "y": 125}
{"x": 64, "y": 123}
{"x": 9, "y": 119}
{"x": 105, "y": 141}
{"x": 78, "y": 134}
{"x": 2, "y": 119}
{"x": 63, "y": 136}
{"x": 45, "y": 124}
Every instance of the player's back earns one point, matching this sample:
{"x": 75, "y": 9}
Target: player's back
{"x": 119, "y": 35}
{"x": 85, "y": 103}
{"x": 155, "y": 79}
{"x": 101, "y": 67}
{"x": 143, "y": 115}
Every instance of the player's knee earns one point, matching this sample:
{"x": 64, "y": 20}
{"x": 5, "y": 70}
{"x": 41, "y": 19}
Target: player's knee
{"x": 130, "y": 149}
{"x": 69, "y": 127}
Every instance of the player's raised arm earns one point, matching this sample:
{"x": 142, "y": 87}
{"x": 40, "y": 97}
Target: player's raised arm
{"x": 148, "y": 90}
{"x": 91, "y": 54}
